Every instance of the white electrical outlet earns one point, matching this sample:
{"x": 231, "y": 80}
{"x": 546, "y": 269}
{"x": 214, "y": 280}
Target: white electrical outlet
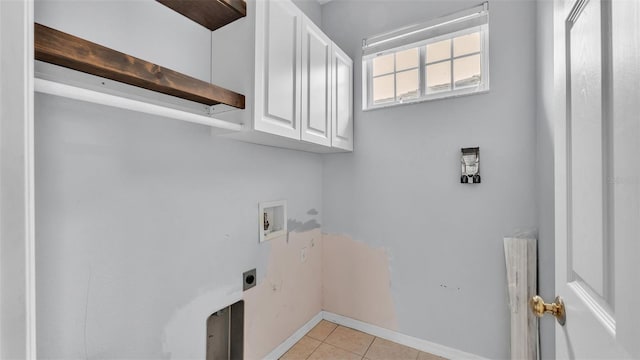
{"x": 303, "y": 254}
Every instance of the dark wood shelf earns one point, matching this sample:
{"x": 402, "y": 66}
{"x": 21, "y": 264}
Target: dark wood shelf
{"x": 66, "y": 50}
{"x": 212, "y": 14}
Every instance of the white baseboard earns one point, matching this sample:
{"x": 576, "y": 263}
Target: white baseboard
{"x": 406, "y": 340}
{"x": 287, "y": 344}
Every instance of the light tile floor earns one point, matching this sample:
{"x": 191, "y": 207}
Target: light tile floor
{"x": 329, "y": 341}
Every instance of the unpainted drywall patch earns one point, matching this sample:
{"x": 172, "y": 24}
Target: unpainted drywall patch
{"x": 289, "y": 294}
{"x": 357, "y": 281}
{"x": 309, "y": 273}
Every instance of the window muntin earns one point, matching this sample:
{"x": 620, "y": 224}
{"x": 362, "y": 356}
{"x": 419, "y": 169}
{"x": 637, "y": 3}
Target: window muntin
{"x": 395, "y": 76}
{"x": 438, "y": 77}
{"x": 453, "y": 64}
{"x": 461, "y": 55}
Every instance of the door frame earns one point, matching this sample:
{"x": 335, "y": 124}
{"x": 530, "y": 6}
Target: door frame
{"x": 17, "y": 211}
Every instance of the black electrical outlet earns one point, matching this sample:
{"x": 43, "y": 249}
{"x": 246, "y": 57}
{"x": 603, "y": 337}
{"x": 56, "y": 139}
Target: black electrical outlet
{"x": 249, "y": 279}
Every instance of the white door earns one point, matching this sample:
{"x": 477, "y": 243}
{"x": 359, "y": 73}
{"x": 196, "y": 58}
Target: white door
{"x": 342, "y": 99}
{"x": 278, "y": 68}
{"x": 316, "y": 85}
{"x": 597, "y": 177}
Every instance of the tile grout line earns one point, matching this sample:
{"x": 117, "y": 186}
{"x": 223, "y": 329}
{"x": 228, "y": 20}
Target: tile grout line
{"x": 334, "y": 329}
{"x": 314, "y": 350}
{"x": 365, "y": 352}
{"x": 369, "y": 347}
{"x": 338, "y": 347}
{"x": 321, "y": 341}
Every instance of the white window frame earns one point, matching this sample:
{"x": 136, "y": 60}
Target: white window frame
{"x": 482, "y": 87}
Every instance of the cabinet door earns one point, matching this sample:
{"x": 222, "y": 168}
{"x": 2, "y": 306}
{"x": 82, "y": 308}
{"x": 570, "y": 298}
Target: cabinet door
{"x": 278, "y": 51}
{"x": 316, "y": 85}
{"x": 342, "y": 100}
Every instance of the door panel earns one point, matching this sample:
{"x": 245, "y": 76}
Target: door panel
{"x": 342, "y": 106}
{"x": 316, "y": 85}
{"x": 278, "y": 42}
{"x": 597, "y": 177}
{"x": 587, "y": 243}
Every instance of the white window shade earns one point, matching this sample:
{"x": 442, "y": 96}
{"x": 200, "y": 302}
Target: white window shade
{"x": 473, "y": 17}
{"x": 441, "y": 58}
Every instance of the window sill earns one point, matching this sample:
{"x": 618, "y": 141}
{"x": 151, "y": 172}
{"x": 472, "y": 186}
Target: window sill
{"x": 441, "y": 96}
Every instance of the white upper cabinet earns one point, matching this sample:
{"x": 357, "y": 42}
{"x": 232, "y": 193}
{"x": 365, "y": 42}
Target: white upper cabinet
{"x": 298, "y": 84}
{"x": 278, "y": 68}
{"x": 316, "y": 85}
{"x": 342, "y": 99}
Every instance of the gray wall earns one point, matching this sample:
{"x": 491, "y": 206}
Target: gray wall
{"x": 139, "y": 217}
{"x": 545, "y": 171}
{"x": 312, "y": 9}
{"x": 400, "y": 189}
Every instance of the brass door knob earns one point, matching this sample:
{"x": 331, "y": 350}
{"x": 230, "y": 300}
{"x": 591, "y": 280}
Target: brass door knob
{"x": 556, "y": 308}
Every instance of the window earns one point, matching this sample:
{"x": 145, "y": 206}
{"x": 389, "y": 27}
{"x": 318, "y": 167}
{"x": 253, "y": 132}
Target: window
{"x": 447, "y": 57}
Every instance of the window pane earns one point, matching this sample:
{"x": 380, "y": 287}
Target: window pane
{"x": 466, "y": 71}
{"x": 407, "y": 85}
{"x": 466, "y": 44}
{"x": 383, "y": 89}
{"x": 383, "y": 65}
{"x": 407, "y": 59}
{"x": 439, "y": 51}
{"x": 439, "y": 77}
